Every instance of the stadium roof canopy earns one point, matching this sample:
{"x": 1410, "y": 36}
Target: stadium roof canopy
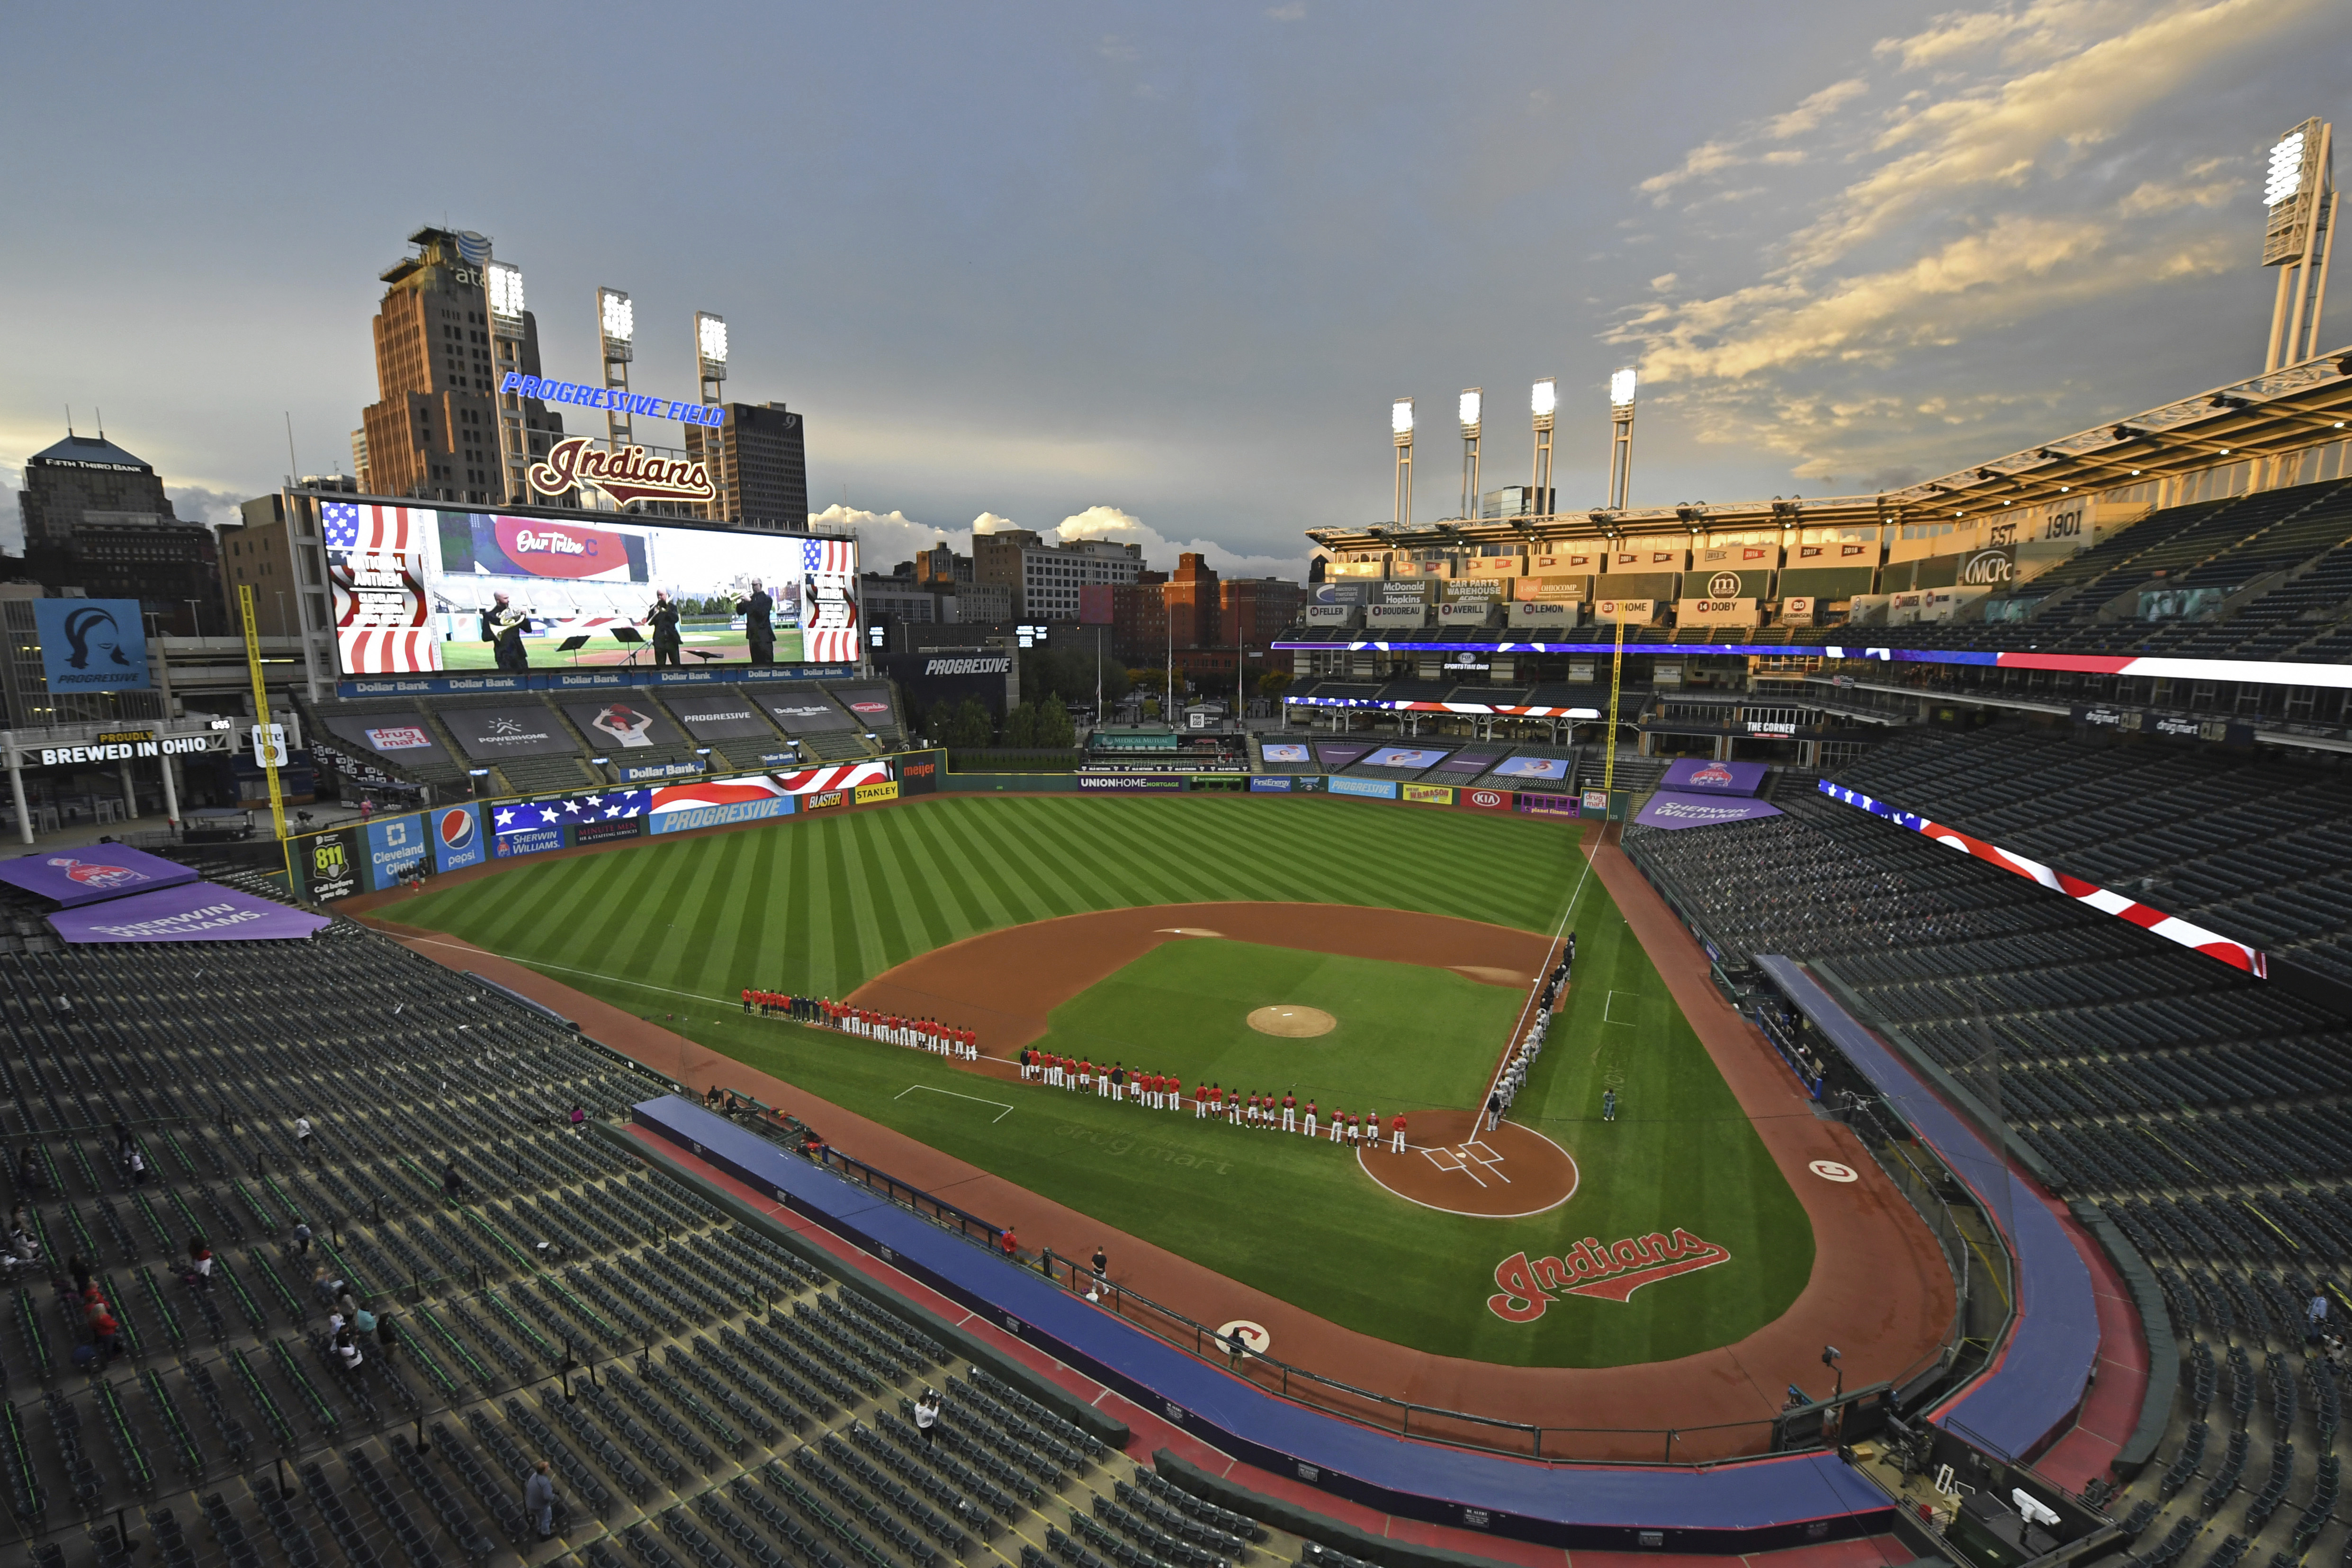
{"x": 2283, "y": 412}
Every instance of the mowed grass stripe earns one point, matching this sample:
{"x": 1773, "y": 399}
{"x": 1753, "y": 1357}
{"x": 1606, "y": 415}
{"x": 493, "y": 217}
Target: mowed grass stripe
{"x": 1099, "y": 869}
{"x": 930, "y": 842}
{"x": 918, "y": 918}
{"x": 878, "y": 948}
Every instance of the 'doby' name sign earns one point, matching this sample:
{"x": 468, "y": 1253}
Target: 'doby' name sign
{"x": 1612, "y": 1272}
{"x": 627, "y": 475}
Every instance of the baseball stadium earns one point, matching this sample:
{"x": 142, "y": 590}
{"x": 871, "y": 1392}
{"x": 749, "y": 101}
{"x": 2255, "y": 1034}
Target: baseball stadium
{"x": 1816, "y": 1031}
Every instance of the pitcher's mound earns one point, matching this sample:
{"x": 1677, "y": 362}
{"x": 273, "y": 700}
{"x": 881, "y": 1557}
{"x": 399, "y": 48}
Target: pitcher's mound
{"x": 1293, "y": 1023}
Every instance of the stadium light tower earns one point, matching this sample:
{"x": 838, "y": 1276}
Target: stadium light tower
{"x": 2298, "y": 234}
{"x": 502, "y": 285}
{"x": 616, "y": 334}
{"x": 1621, "y": 435}
{"x": 1401, "y": 429}
{"x": 1544, "y": 401}
{"x": 1472, "y": 401}
{"x": 710, "y": 365}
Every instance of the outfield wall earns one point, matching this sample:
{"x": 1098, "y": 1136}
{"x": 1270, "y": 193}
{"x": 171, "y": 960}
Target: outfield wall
{"x": 381, "y": 853}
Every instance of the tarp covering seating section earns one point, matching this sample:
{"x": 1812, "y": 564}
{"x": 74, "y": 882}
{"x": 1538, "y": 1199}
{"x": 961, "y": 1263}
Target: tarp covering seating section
{"x": 2155, "y": 1324}
{"x": 192, "y": 912}
{"x": 2036, "y": 1383}
{"x": 91, "y": 873}
{"x": 1671, "y": 811}
{"x": 803, "y": 712}
{"x": 1695, "y": 775}
{"x": 1743, "y": 1506}
{"x": 402, "y": 737}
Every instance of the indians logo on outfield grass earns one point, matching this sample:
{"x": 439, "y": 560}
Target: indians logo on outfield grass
{"x": 1612, "y": 1272}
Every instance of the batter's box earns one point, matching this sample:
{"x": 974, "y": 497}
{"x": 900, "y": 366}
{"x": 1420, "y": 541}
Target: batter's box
{"x": 1469, "y": 1159}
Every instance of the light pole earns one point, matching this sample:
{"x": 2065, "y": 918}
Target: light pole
{"x": 1620, "y": 436}
{"x": 1401, "y": 431}
{"x": 2298, "y": 234}
{"x": 1542, "y": 401}
{"x": 1473, "y": 401}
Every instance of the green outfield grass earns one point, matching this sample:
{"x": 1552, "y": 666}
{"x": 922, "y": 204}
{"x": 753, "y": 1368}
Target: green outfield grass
{"x": 824, "y": 904}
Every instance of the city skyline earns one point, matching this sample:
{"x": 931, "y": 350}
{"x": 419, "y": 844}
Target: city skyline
{"x": 1094, "y": 273}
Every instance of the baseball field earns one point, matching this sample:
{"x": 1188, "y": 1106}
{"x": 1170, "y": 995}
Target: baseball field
{"x": 1149, "y": 932}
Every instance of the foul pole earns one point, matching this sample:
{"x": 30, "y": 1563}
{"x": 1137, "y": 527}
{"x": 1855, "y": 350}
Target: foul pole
{"x": 267, "y": 753}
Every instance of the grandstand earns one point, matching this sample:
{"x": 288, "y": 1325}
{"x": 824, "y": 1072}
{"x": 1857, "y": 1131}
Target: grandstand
{"x": 708, "y": 1393}
{"x": 429, "y": 744}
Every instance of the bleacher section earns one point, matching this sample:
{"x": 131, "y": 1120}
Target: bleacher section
{"x": 2254, "y": 844}
{"x": 707, "y": 1396}
{"x": 2198, "y": 1109}
{"x": 815, "y": 718}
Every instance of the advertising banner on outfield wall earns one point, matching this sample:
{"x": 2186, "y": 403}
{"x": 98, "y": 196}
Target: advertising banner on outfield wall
{"x": 1130, "y": 783}
{"x": 1270, "y": 784}
{"x": 330, "y": 866}
{"x": 398, "y": 848}
{"x": 457, "y": 838}
{"x": 1548, "y": 805}
{"x": 1370, "y": 789}
{"x": 719, "y": 803}
{"x": 1430, "y": 794}
{"x": 537, "y": 842}
{"x": 1485, "y": 800}
{"x": 602, "y": 832}
{"x": 873, "y": 794}
{"x": 918, "y": 772}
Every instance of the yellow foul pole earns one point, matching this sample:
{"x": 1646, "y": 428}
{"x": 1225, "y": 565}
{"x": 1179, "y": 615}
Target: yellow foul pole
{"x": 261, "y": 710}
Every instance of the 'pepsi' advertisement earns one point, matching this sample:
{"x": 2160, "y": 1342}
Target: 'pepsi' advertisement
{"x": 457, "y": 838}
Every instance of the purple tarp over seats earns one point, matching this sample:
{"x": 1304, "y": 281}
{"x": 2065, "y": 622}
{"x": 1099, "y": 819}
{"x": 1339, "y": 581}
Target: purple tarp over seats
{"x": 1671, "y": 812}
{"x": 1698, "y": 776}
{"x": 2035, "y": 1386}
{"x": 1750, "y": 1505}
{"x": 89, "y": 874}
{"x": 198, "y": 911}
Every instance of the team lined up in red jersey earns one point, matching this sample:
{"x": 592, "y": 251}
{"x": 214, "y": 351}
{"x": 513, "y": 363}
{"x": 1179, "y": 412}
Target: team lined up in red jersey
{"x": 1165, "y": 1092}
{"x": 890, "y": 1029}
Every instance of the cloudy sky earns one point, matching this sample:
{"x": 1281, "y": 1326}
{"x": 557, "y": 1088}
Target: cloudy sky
{"x": 1155, "y": 272}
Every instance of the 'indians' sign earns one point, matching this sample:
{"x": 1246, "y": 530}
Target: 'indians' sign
{"x": 627, "y": 475}
{"x": 1612, "y": 1272}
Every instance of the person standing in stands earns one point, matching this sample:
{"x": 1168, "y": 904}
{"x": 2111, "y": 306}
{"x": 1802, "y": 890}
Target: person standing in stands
{"x": 927, "y": 1416}
{"x": 757, "y": 612}
{"x": 2315, "y": 1317}
{"x": 453, "y": 1186}
{"x": 200, "y": 1263}
{"x": 662, "y": 619}
{"x": 302, "y": 1145}
{"x": 539, "y": 1501}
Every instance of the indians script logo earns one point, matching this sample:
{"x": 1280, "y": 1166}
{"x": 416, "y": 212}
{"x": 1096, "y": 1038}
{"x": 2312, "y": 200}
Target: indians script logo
{"x": 1588, "y": 1269}
{"x": 1986, "y": 568}
{"x": 1723, "y": 585}
{"x": 90, "y": 874}
{"x": 1713, "y": 773}
{"x": 628, "y": 474}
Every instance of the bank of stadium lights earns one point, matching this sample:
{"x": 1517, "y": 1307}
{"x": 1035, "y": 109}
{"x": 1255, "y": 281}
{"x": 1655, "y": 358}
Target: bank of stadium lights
{"x": 503, "y": 282}
{"x": 616, "y": 322}
{"x": 1622, "y": 387}
{"x": 1543, "y": 401}
{"x": 711, "y": 337}
{"x": 1401, "y": 431}
{"x": 1473, "y": 403}
{"x": 2299, "y": 202}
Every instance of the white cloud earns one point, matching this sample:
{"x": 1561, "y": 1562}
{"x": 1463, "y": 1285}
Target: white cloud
{"x": 2016, "y": 177}
{"x": 886, "y": 538}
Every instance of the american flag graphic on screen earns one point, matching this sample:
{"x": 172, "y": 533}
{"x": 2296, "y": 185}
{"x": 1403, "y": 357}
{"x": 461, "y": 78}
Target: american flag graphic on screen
{"x": 829, "y": 618}
{"x": 382, "y": 622}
